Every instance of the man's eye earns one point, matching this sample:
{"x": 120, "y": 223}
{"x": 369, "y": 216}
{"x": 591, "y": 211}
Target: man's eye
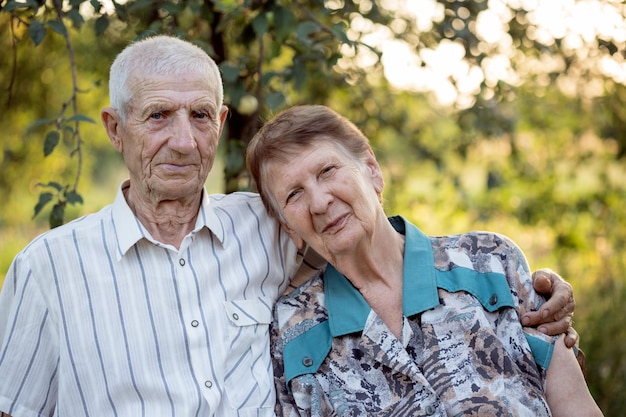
{"x": 156, "y": 116}
{"x": 200, "y": 115}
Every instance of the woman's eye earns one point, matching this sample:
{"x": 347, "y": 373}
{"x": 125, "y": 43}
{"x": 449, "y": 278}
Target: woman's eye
{"x": 156, "y": 115}
{"x": 291, "y": 196}
{"x": 327, "y": 169}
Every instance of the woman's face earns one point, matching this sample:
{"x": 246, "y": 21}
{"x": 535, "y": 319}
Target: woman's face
{"x": 327, "y": 198}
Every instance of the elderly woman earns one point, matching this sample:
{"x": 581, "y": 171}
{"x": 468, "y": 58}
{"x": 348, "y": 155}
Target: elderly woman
{"x": 399, "y": 323}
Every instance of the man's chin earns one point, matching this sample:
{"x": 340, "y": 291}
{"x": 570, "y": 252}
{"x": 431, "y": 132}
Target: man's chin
{"x": 177, "y": 189}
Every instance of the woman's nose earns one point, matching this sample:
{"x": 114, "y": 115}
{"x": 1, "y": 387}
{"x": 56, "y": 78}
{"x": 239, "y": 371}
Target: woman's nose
{"x": 321, "y": 198}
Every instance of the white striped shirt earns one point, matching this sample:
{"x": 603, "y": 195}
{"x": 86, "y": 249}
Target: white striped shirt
{"x": 99, "y": 319}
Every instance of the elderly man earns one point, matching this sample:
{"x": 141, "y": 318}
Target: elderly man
{"x": 159, "y": 304}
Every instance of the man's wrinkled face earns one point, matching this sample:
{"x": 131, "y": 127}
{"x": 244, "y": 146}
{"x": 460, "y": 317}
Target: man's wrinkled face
{"x": 170, "y": 136}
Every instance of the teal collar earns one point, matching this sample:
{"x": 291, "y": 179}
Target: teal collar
{"x": 348, "y": 310}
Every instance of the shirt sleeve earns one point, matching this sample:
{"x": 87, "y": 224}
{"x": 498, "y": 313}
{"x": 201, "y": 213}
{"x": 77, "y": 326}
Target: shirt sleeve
{"x": 28, "y": 346}
{"x": 310, "y": 264}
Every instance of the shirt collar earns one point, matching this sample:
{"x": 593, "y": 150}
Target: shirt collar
{"x": 348, "y": 310}
{"x": 129, "y": 229}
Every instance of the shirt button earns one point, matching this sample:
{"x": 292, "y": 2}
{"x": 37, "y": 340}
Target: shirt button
{"x": 493, "y": 300}
{"x": 307, "y": 361}
{"x": 430, "y": 410}
{"x": 181, "y": 261}
{"x": 208, "y": 384}
{"x": 194, "y": 323}
{"x": 235, "y": 316}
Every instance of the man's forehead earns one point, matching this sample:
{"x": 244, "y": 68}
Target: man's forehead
{"x": 174, "y": 89}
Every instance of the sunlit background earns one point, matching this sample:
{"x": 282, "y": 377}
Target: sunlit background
{"x": 507, "y": 116}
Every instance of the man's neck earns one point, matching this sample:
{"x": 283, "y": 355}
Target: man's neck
{"x": 167, "y": 221}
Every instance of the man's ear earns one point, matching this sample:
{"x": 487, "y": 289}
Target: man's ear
{"x": 293, "y": 235}
{"x": 222, "y": 118}
{"x": 110, "y": 119}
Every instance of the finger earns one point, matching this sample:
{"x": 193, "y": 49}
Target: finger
{"x": 571, "y": 338}
{"x": 560, "y": 303}
{"x": 543, "y": 280}
{"x": 542, "y": 284}
{"x": 556, "y": 327}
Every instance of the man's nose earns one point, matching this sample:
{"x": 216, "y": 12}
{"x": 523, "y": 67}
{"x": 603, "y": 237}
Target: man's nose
{"x": 182, "y": 137}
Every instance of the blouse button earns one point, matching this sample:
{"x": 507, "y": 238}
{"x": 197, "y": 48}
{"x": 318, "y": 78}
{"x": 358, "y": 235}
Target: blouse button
{"x": 194, "y": 323}
{"x": 235, "y": 316}
{"x": 181, "y": 261}
{"x": 208, "y": 384}
{"x": 493, "y": 300}
{"x": 307, "y": 361}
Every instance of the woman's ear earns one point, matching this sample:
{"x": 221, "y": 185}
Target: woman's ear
{"x": 375, "y": 172}
{"x": 293, "y": 235}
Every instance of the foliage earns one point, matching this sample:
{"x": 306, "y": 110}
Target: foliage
{"x": 538, "y": 156}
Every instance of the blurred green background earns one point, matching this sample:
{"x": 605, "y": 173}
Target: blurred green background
{"x": 504, "y": 116}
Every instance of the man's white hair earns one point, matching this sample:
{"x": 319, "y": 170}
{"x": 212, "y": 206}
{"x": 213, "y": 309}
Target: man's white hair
{"x": 158, "y": 56}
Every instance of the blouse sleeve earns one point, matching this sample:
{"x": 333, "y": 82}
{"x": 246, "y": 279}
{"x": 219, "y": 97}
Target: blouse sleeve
{"x": 285, "y": 404}
{"x": 527, "y": 299}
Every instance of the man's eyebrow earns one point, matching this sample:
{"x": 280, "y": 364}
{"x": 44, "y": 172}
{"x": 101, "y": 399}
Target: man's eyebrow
{"x": 204, "y": 104}
{"x": 153, "y": 106}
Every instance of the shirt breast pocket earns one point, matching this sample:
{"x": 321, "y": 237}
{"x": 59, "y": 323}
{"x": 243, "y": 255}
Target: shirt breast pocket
{"x": 249, "y": 379}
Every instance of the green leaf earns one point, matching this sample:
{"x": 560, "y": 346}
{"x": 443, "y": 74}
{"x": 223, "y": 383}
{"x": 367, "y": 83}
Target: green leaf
{"x": 235, "y": 93}
{"x": 171, "y": 8}
{"x": 304, "y": 30}
{"x": 56, "y": 215}
{"x": 76, "y": 18}
{"x": 102, "y": 23}
{"x": 234, "y": 157}
{"x": 96, "y": 5}
{"x": 52, "y": 140}
{"x": 36, "y": 31}
{"x": 73, "y": 197}
{"x": 121, "y": 10}
{"x": 260, "y": 24}
{"x": 81, "y": 118}
{"x": 230, "y": 72}
{"x": 339, "y": 30}
{"x": 51, "y": 184}
{"x": 57, "y": 26}
{"x": 298, "y": 73}
{"x": 12, "y": 5}
{"x": 274, "y": 100}
{"x": 284, "y": 22}
{"x": 38, "y": 123}
{"x": 44, "y": 198}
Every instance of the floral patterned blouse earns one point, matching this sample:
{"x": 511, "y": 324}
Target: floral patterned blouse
{"x": 462, "y": 352}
